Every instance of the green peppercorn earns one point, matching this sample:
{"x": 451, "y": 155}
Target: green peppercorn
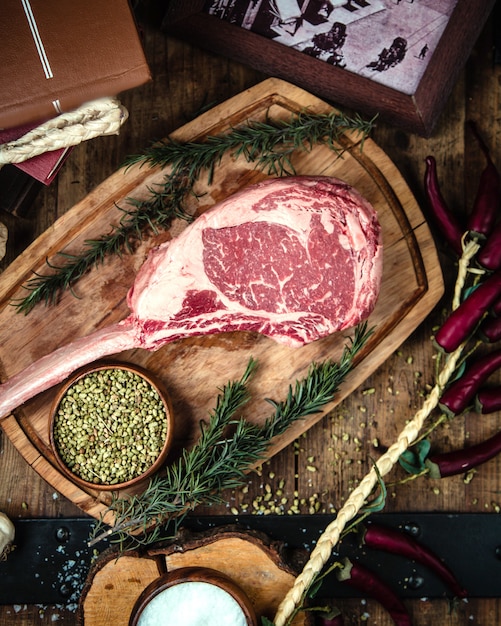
{"x": 99, "y": 434}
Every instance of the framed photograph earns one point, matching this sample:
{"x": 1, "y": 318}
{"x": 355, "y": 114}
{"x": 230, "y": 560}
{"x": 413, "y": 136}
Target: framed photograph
{"x": 396, "y": 58}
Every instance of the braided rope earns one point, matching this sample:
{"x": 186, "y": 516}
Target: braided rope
{"x": 323, "y": 549}
{"x": 356, "y": 500}
{"x": 104, "y": 116}
{"x": 469, "y": 251}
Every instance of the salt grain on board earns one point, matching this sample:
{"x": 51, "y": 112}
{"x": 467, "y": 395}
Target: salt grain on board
{"x": 193, "y": 604}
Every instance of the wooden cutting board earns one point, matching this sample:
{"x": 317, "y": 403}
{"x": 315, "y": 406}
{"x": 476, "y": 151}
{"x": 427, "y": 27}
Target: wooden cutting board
{"x": 194, "y": 369}
{"x": 262, "y": 569}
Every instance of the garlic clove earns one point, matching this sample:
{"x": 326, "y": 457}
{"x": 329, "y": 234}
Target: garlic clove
{"x": 7, "y": 534}
{"x": 3, "y": 239}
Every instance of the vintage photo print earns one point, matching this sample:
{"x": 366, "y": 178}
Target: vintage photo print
{"x": 387, "y": 41}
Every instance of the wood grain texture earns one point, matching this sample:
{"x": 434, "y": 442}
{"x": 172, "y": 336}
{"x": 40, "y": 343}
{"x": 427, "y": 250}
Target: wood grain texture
{"x": 410, "y": 289}
{"x": 342, "y": 444}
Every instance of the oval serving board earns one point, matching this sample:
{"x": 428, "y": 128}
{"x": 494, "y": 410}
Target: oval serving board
{"x": 194, "y": 369}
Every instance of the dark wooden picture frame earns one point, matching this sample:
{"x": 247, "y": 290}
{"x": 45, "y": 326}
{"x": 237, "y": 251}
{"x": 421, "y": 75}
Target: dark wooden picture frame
{"x": 417, "y": 112}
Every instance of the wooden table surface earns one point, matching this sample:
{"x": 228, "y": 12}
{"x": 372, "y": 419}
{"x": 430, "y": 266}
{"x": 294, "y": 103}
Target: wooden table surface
{"x": 328, "y": 461}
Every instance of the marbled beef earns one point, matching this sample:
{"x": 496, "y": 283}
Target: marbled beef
{"x": 294, "y": 258}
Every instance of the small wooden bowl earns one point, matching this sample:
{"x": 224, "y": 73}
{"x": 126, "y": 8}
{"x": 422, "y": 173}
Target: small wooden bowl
{"x": 165, "y": 402}
{"x": 224, "y": 586}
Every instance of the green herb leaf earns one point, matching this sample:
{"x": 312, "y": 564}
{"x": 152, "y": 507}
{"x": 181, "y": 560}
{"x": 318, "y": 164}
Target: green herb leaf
{"x": 413, "y": 459}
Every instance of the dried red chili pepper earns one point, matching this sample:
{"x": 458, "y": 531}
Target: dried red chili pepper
{"x": 488, "y": 400}
{"x": 461, "y": 393}
{"x": 463, "y": 320}
{"x": 445, "y": 219}
{"x": 398, "y": 542}
{"x": 486, "y": 206}
{"x": 490, "y": 329}
{"x": 460, "y": 461}
{"x": 361, "y": 578}
{"x": 489, "y": 255}
{"x": 496, "y": 308}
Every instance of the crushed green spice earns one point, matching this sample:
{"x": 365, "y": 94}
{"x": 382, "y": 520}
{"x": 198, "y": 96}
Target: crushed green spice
{"x": 110, "y": 426}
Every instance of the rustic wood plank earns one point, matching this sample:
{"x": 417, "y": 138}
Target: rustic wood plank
{"x": 185, "y": 80}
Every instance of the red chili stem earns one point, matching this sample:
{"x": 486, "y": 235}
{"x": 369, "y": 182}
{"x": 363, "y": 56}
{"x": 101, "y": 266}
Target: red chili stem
{"x": 462, "y": 321}
{"x": 488, "y": 400}
{"x": 445, "y": 219}
{"x": 486, "y": 206}
{"x": 490, "y": 329}
{"x": 361, "y": 578}
{"x": 398, "y": 542}
{"x": 489, "y": 255}
{"x": 461, "y": 393}
{"x": 460, "y": 461}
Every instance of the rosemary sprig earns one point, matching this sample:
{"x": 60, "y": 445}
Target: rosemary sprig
{"x": 155, "y": 212}
{"x": 269, "y": 145}
{"x": 220, "y": 459}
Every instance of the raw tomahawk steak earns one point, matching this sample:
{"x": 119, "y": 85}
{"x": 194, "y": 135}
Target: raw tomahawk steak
{"x": 294, "y": 258}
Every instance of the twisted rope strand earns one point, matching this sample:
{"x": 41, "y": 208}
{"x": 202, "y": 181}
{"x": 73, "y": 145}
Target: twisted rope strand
{"x": 104, "y": 116}
{"x": 322, "y": 551}
{"x": 469, "y": 251}
{"x": 355, "y": 501}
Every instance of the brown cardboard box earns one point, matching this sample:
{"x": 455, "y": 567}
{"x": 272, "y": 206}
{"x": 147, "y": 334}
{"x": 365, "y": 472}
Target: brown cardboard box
{"x": 59, "y": 54}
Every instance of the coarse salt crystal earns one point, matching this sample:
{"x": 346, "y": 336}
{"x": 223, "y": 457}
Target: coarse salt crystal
{"x": 193, "y": 604}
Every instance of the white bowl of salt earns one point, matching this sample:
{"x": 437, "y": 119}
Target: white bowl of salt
{"x": 193, "y": 596}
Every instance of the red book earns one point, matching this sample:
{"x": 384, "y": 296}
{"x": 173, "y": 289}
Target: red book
{"x": 43, "y": 167}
